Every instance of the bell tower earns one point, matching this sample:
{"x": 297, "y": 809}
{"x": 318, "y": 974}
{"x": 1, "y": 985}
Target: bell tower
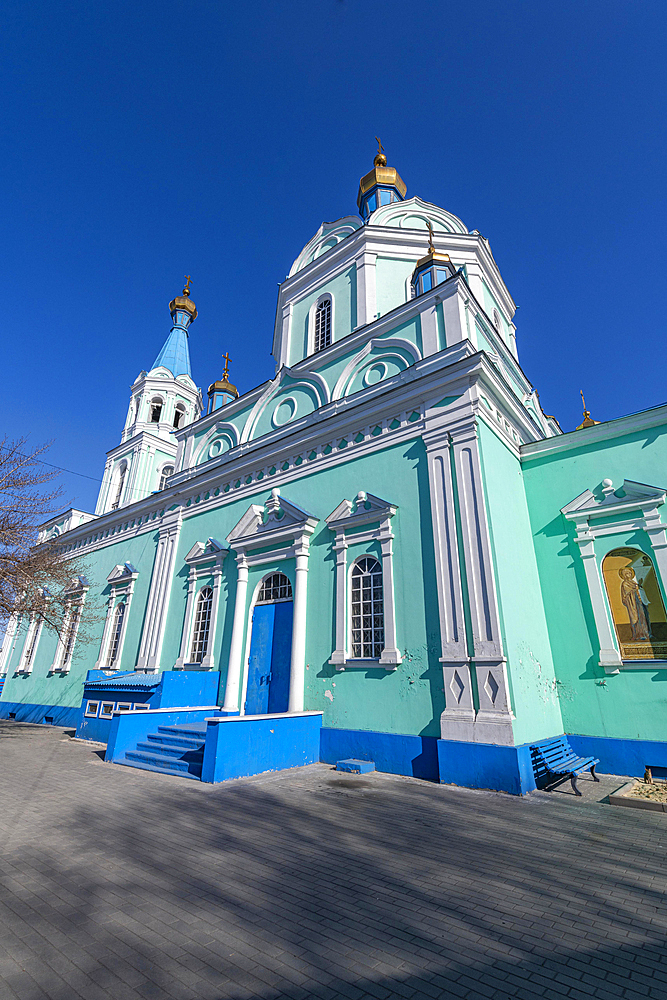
{"x": 161, "y": 400}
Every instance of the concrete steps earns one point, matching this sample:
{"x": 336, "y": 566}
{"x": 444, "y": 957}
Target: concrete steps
{"x": 171, "y": 750}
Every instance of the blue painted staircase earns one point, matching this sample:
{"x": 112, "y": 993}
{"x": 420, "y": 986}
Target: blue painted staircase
{"x": 171, "y": 750}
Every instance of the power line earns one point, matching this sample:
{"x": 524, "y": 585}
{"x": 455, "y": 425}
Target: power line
{"x": 70, "y": 472}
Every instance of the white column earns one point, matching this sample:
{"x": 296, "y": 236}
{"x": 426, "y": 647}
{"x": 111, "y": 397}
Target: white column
{"x": 298, "y": 661}
{"x": 187, "y": 624}
{"x": 158, "y": 599}
{"x": 208, "y": 663}
{"x": 390, "y": 656}
{"x": 339, "y": 654}
{"x": 459, "y": 714}
{"x": 610, "y": 658}
{"x": 104, "y": 644}
{"x": 366, "y": 290}
{"x": 238, "y": 629}
{"x": 493, "y": 722}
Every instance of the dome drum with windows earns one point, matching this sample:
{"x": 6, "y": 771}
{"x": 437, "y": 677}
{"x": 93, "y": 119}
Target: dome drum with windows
{"x": 380, "y": 186}
{"x": 432, "y": 269}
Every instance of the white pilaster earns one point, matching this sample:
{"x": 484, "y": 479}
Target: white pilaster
{"x": 429, "y": 325}
{"x": 187, "y": 623}
{"x": 285, "y": 335}
{"x": 366, "y": 288}
{"x": 339, "y": 654}
{"x": 390, "y": 655}
{"x": 158, "y": 598}
{"x": 610, "y": 657}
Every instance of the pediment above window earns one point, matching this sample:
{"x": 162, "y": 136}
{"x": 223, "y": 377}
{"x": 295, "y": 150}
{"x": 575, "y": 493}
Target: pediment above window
{"x": 206, "y": 551}
{"x": 364, "y": 509}
{"x": 122, "y": 573}
{"x": 607, "y": 501}
{"x": 278, "y": 522}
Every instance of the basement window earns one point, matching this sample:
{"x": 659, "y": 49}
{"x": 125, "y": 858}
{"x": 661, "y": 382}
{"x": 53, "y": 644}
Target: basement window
{"x": 106, "y": 710}
{"x": 91, "y": 709}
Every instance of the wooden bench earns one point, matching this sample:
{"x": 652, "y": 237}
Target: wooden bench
{"x": 556, "y": 759}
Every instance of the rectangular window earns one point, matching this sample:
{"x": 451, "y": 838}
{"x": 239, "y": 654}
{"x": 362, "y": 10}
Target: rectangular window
{"x": 91, "y": 709}
{"x": 372, "y": 202}
{"x": 106, "y": 710}
{"x": 442, "y": 274}
{"x": 123, "y": 706}
{"x": 427, "y": 283}
{"x": 385, "y": 197}
{"x": 141, "y": 706}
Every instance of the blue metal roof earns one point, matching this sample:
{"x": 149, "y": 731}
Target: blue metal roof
{"x": 134, "y": 680}
{"x": 175, "y": 354}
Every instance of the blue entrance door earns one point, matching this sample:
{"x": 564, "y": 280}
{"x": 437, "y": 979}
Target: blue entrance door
{"x": 270, "y": 654}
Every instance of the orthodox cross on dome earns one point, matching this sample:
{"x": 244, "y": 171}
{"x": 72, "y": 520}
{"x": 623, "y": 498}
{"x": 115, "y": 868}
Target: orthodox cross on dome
{"x": 188, "y": 280}
{"x": 226, "y": 358}
{"x": 587, "y": 421}
{"x": 431, "y": 248}
{"x": 380, "y": 146}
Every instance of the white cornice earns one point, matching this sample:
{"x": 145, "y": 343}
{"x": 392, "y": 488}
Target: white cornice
{"x": 589, "y": 437}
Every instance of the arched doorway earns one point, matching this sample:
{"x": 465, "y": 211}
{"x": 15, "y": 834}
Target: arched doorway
{"x": 267, "y": 690}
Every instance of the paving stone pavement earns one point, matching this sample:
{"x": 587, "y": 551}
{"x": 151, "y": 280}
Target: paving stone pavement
{"x": 124, "y": 884}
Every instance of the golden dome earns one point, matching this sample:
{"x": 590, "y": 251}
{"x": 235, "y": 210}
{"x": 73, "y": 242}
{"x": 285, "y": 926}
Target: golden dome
{"x": 184, "y": 301}
{"x": 381, "y": 174}
{"x": 222, "y": 385}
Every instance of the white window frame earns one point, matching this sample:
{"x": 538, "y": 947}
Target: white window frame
{"x": 122, "y": 579}
{"x": 123, "y": 706}
{"x": 162, "y": 481}
{"x": 201, "y": 626}
{"x": 205, "y": 560}
{"x": 588, "y": 514}
{"x": 62, "y": 661}
{"x": 106, "y": 715}
{"x": 29, "y": 650}
{"x": 140, "y": 706}
{"x": 311, "y": 322}
{"x": 88, "y": 714}
{"x": 119, "y": 484}
{"x": 366, "y": 509}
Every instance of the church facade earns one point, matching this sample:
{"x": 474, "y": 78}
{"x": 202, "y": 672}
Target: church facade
{"x": 390, "y": 532}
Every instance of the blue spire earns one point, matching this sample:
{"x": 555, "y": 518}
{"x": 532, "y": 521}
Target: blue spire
{"x": 175, "y": 355}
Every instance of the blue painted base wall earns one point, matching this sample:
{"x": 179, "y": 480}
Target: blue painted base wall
{"x": 621, "y": 756}
{"x": 59, "y": 715}
{"x": 415, "y": 756}
{"x": 486, "y": 765}
{"x": 238, "y": 747}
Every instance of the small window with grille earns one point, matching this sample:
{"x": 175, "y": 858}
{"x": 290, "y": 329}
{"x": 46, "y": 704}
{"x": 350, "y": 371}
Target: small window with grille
{"x": 202, "y": 625}
{"x": 117, "y": 631}
{"x": 323, "y": 324}
{"x": 367, "y": 609}
{"x": 275, "y": 588}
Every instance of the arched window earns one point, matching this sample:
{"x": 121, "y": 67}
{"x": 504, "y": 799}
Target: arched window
{"x": 117, "y": 631}
{"x": 168, "y": 470}
{"x": 179, "y": 414}
{"x": 636, "y": 603}
{"x": 70, "y": 629}
{"x": 367, "y": 609}
{"x": 156, "y": 410}
{"x": 322, "y": 324}
{"x": 119, "y": 488}
{"x": 496, "y": 320}
{"x": 275, "y": 588}
{"x": 202, "y": 625}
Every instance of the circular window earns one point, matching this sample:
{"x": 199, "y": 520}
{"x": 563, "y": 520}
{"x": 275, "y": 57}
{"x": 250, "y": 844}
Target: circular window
{"x": 284, "y": 412}
{"x": 216, "y": 447}
{"x": 375, "y": 373}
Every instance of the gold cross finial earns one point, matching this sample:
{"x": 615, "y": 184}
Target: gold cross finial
{"x": 430, "y": 237}
{"x": 583, "y": 401}
{"x": 380, "y": 146}
{"x": 227, "y": 361}
{"x": 186, "y": 290}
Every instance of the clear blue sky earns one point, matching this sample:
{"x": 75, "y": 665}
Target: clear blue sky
{"x": 144, "y": 141}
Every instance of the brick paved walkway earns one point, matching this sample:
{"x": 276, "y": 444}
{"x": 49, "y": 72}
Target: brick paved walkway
{"x": 118, "y": 884}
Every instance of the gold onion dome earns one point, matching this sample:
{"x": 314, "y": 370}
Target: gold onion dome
{"x": 380, "y": 176}
{"x": 223, "y": 384}
{"x": 184, "y": 302}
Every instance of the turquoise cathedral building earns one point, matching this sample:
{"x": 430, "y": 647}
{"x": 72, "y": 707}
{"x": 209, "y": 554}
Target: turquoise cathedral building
{"x": 389, "y": 550}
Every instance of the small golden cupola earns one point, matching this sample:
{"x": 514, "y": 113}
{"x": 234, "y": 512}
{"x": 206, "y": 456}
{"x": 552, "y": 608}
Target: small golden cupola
{"x": 588, "y": 420}
{"x": 432, "y": 269}
{"x": 222, "y": 392}
{"x": 183, "y": 304}
{"x": 380, "y": 186}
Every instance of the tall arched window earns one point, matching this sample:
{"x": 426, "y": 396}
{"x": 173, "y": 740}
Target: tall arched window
{"x": 274, "y": 588}
{"x": 167, "y": 471}
{"x": 323, "y": 324}
{"x": 117, "y": 631}
{"x": 119, "y": 488}
{"x": 70, "y": 629}
{"x": 156, "y": 410}
{"x": 202, "y": 625}
{"x": 179, "y": 414}
{"x": 367, "y": 609}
